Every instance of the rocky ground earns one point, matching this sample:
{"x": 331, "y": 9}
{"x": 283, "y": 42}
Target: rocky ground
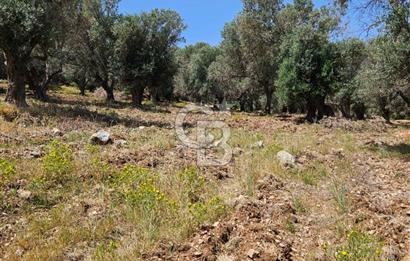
{"x": 341, "y": 191}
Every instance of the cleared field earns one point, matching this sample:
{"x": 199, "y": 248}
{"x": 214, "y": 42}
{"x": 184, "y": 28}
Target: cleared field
{"x": 61, "y": 198}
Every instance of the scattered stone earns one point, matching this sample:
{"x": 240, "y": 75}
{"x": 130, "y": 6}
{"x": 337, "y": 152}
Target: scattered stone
{"x": 258, "y": 145}
{"x": 225, "y": 258}
{"x": 338, "y": 153}
{"x": 19, "y": 252}
{"x": 24, "y": 194}
{"x": 120, "y": 143}
{"x": 252, "y": 253}
{"x": 197, "y": 254}
{"x": 141, "y": 127}
{"x": 101, "y": 138}
{"x": 34, "y": 154}
{"x": 57, "y": 133}
{"x": 286, "y": 159}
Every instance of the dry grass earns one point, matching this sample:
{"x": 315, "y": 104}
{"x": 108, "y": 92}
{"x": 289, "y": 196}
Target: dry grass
{"x": 120, "y": 203}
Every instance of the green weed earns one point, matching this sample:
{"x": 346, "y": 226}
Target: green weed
{"x": 359, "y": 246}
{"x": 58, "y": 163}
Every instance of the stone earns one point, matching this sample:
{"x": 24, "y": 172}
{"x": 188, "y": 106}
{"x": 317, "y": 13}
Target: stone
{"x": 197, "y": 254}
{"x": 120, "y": 143}
{"x": 258, "y": 145}
{"x": 225, "y": 258}
{"x": 56, "y": 132}
{"x": 252, "y": 253}
{"x": 24, "y": 194}
{"x": 101, "y": 138}
{"x": 35, "y": 154}
{"x": 141, "y": 127}
{"x": 286, "y": 159}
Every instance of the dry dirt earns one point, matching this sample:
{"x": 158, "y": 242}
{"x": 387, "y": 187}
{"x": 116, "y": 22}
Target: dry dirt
{"x": 267, "y": 224}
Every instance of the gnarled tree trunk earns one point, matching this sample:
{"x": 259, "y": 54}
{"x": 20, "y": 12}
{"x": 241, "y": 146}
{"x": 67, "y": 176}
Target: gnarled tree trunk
{"x": 109, "y": 90}
{"x": 137, "y": 94}
{"x": 16, "y": 92}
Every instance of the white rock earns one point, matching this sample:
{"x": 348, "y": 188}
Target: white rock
{"x": 225, "y": 258}
{"x": 252, "y": 253}
{"x": 57, "y": 132}
{"x": 120, "y": 143}
{"x": 101, "y": 137}
{"x": 258, "y": 145}
{"x": 141, "y": 127}
{"x": 24, "y": 194}
{"x": 286, "y": 159}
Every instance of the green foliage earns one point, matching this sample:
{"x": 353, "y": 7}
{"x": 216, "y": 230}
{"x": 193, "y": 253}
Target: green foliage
{"x": 299, "y": 205}
{"x": 339, "y": 193}
{"x": 207, "y": 211}
{"x": 307, "y": 70}
{"x": 359, "y": 246}
{"x": 58, "y": 163}
{"x": 192, "y": 183}
{"x": 139, "y": 187}
{"x": 352, "y": 53}
{"x": 192, "y": 80}
{"x": 133, "y": 175}
{"x": 7, "y": 170}
{"x": 146, "y": 196}
{"x": 145, "y": 52}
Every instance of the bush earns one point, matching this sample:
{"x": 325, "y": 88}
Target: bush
{"x": 7, "y": 170}
{"x": 58, "y": 163}
{"x": 192, "y": 182}
{"x": 359, "y": 246}
{"x": 207, "y": 211}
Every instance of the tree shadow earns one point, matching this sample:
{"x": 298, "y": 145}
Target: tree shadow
{"x": 399, "y": 149}
{"x": 79, "y": 111}
{"x": 159, "y": 108}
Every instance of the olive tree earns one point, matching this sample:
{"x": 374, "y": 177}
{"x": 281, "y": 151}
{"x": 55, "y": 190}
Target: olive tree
{"x": 192, "y": 81}
{"x": 24, "y": 24}
{"x": 307, "y": 70}
{"x": 92, "y": 42}
{"x": 144, "y": 51}
{"x": 351, "y": 56}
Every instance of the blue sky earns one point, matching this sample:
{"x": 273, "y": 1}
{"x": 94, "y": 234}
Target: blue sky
{"x": 205, "y": 18}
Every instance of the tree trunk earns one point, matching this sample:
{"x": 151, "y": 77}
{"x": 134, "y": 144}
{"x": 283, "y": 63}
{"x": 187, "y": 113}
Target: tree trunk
{"x": 40, "y": 93}
{"x": 359, "y": 110}
{"x": 154, "y": 95}
{"x": 383, "y": 105}
{"x": 137, "y": 94}
{"x": 82, "y": 89}
{"x": 16, "y": 92}
{"x": 345, "y": 108}
{"x": 311, "y": 110}
{"x": 269, "y": 94}
{"x": 320, "y": 105}
{"x": 109, "y": 90}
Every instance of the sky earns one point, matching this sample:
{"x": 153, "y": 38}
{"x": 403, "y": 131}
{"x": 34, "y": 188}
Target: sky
{"x": 205, "y": 19}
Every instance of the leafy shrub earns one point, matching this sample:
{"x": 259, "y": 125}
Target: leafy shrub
{"x": 139, "y": 188}
{"x": 147, "y": 196}
{"x": 58, "y": 163}
{"x": 133, "y": 175}
{"x": 207, "y": 211}
{"x": 7, "y": 170}
{"x": 98, "y": 168}
{"x": 192, "y": 182}
{"x": 359, "y": 246}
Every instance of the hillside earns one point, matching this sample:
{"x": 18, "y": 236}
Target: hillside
{"x": 346, "y": 197}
